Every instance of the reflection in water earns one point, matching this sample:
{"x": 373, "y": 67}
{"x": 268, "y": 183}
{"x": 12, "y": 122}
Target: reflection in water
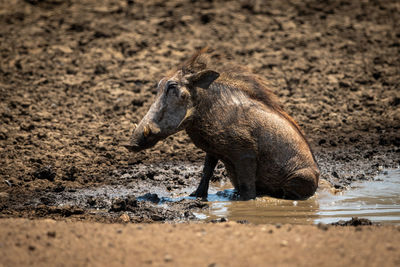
{"x": 377, "y": 200}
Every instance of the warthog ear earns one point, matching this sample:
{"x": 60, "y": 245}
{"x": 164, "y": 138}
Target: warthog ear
{"x": 203, "y": 78}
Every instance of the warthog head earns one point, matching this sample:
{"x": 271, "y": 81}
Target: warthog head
{"x": 172, "y": 108}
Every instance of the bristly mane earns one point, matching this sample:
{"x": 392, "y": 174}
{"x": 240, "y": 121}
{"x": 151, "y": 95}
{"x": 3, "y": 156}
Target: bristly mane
{"x": 237, "y": 76}
{"x": 199, "y": 61}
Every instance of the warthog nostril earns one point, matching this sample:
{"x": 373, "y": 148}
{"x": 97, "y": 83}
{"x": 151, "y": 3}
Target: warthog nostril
{"x": 146, "y": 131}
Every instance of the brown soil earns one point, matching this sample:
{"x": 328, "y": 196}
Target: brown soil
{"x": 76, "y": 75}
{"x": 47, "y": 242}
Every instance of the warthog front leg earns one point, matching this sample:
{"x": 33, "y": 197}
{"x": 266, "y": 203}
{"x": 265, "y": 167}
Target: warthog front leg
{"x": 209, "y": 165}
{"x": 245, "y": 169}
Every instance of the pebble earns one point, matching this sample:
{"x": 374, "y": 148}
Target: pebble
{"x": 125, "y": 218}
{"x": 168, "y": 258}
{"x": 284, "y": 243}
{"x": 51, "y": 234}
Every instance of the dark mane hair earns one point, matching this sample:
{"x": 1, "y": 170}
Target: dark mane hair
{"x": 197, "y": 62}
{"x": 242, "y": 78}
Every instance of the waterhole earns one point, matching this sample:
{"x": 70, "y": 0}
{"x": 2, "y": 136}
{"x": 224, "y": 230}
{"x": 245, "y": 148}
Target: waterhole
{"x": 377, "y": 200}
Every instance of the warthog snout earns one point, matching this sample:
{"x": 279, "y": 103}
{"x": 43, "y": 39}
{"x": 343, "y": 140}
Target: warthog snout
{"x": 144, "y": 136}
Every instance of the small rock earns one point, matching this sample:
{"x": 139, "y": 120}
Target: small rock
{"x": 168, "y": 258}
{"x": 51, "y": 234}
{"x": 284, "y": 243}
{"x": 156, "y": 217}
{"x": 125, "y": 218}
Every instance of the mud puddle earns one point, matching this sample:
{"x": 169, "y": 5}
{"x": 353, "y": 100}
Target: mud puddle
{"x": 377, "y": 200}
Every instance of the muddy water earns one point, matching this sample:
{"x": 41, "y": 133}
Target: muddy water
{"x": 377, "y": 200}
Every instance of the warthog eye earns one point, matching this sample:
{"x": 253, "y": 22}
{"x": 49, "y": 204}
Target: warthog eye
{"x": 171, "y": 86}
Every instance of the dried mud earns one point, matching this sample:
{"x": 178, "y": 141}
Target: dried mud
{"x": 76, "y": 75}
{"x": 55, "y": 243}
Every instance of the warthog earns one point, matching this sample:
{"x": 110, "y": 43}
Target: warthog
{"x": 232, "y": 115}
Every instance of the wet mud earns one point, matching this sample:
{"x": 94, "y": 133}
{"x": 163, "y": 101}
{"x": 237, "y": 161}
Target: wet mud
{"x": 76, "y": 75}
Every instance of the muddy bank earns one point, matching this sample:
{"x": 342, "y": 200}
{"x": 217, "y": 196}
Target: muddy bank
{"x": 76, "y": 75}
{"x": 160, "y": 193}
{"x": 47, "y": 242}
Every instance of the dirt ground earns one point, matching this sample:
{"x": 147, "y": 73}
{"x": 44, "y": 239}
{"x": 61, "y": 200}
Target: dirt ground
{"x": 76, "y": 75}
{"x": 50, "y": 243}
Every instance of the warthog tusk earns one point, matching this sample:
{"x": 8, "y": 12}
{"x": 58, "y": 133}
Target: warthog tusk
{"x": 134, "y": 125}
{"x": 189, "y": 113}
{"x": 146, "y": 131}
